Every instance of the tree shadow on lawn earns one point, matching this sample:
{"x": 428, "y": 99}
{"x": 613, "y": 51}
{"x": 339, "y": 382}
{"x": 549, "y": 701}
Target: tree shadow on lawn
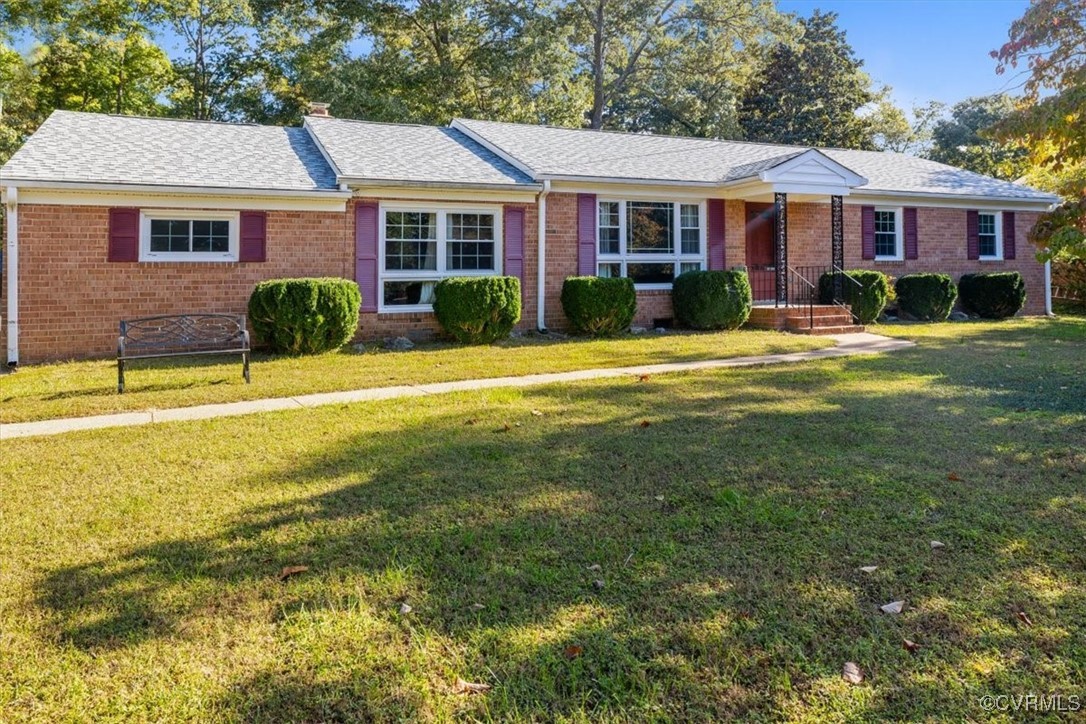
{"x": 736, "y": 594}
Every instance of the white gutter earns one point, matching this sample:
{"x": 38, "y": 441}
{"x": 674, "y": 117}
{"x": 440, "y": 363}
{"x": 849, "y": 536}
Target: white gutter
{"x": 12, "y": 259}
{"x": 167, "y": 189}
{"x": 1048, "y": 288}
{"x": 541, "y": 258}
{"x": 369, "y": 183}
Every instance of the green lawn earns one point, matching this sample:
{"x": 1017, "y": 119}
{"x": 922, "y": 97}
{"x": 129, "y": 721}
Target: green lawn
{"x": 728, "y": 512}
{"x": 74, "y": 389}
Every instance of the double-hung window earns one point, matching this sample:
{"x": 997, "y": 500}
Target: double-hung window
{"x": 989, "y": 235}
{"x": 422, "y": 245}
{"x": 888, "y": 234}
{"x": 188, "y": 236}
{"x": 651, "y": 242}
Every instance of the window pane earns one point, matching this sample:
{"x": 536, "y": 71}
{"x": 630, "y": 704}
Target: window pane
{"x": 170, "y": 235}
{"x": 986, "y": 223}
{"x": 649, "y": 227}
{"x": 651, "y": 273}
{"x": 211, "y": 236}
{"x": 885, "y": 233}
{"x": 610, "y": 271}
{"x": 690, "y": 223}
{"x": 410, "y": 240}
{"x": 987, "y": 244}
{"x": 609, "y": 228}
{"x": 470, "y": 240}
{"x": 408, "y": 293}
{"x": 689, "y": 266}
{"x": 986, "y": 234}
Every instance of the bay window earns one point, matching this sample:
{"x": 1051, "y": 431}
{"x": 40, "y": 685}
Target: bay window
{"x": 420, "y": 246}
{"x": 650, "y": 242}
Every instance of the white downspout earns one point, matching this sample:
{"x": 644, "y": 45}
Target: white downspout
{"x": 541, "y": 258}
{"x": 12, "y": 259}
{"x": 1048, "y": 288}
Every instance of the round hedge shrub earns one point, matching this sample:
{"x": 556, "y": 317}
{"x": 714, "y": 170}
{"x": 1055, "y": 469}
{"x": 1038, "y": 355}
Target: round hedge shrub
{"x": 867, "y": 300}
{"x": 477, "y": 310}
{"x": 927, "y": 297}
{"x": 997, "y": 295}
{"x": 711, "y": 299}
{"x": 594, "y": 305}
{"x": 305, "y": 316}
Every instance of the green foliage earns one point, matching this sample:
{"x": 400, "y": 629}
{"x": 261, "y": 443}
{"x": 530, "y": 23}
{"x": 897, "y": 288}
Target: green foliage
{"x": 1060, "y": 235}
{"x": 866, "y": 300}
{"x": 996, "y": 295}
{"x": 477, "y": 310}
{"x": 305, "y": 316}
{"x": 711, "y": 299}
{"x": 598, "y": 306}
{"x": 927, "y": 297}
{"x": 964, "y": 139}
{"x": 809, "y": 94}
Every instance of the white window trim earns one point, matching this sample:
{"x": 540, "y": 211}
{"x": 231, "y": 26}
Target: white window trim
{"x": 677, "y": 257}
{"x": 147, "y": 215}
{"x": 432, "y": 275}
{"x": 998, "y": 235}
{"x": 899, "y": 232}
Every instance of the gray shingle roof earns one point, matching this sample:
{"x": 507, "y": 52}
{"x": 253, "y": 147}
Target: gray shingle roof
{"x": 550, "y": 151}
{"x": 415, "y": 154}
{"x": 96, "y": 148}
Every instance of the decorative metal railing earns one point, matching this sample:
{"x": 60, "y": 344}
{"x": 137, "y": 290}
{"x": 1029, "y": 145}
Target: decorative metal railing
{"x": 842, "y": 281}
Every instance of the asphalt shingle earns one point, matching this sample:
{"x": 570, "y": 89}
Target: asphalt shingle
{"x": 97, "y": 148}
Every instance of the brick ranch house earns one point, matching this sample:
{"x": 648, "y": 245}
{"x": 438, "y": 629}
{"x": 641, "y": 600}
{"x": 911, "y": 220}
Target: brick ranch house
{"x": 112, "y": 217}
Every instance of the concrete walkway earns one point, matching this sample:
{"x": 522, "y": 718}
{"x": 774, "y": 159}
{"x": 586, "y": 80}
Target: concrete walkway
{"x": 847, "y": 345}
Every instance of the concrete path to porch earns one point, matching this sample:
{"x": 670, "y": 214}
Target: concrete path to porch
{"x": 860, "y": 343}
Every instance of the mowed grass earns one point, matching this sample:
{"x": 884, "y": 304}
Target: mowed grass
{"x": 74, "y": 389}
{"x": 728, "y": 513}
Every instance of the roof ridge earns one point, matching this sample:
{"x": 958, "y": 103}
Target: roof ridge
{"x": 140, "y": 117}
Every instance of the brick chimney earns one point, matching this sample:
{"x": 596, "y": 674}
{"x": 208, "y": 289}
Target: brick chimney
{"x": 319, "y": 109}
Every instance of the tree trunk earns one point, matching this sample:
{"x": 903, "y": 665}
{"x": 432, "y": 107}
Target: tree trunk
{"x": 598, "y": 92}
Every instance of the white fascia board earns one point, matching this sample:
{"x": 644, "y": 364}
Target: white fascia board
{"x": 572, "y": 178}
{"x": 646, "y": 192}
{"x": 520, "y": 195}
{"x": 175, "y": 200}
{"x": 369, "y": 183}
{"x": 922, "y": 198}
{"x": 809, "y": 189}
{"x": 495, "y": 149}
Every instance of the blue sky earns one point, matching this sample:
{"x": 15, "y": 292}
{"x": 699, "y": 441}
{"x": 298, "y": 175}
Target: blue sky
{"x": 925, "y": 49}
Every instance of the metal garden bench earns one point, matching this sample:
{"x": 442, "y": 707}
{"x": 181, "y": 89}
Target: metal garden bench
{"x": 181, "y": 336}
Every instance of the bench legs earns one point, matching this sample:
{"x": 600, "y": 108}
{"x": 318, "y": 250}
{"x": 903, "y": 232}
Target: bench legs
{"x": 120, "y": 376}
{"x": 245, "y": 370}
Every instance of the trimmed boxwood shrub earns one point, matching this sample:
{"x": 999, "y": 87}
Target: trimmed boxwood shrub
{"x": 867, "y": 302}
{"x": 995, "y": 295}
{"x": 477, "y": 310}
{"x": 928, "y": 297}
{"x": 711, "y": 299}
{"x": 594, "y": 305}
{"x": 305, "y": 316}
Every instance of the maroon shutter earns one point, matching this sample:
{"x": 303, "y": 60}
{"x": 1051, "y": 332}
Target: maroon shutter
{"x": 867, "y": 225}
{"x": 912, "y": 250}
{"x": 254, "y": 236}
{"x": 124, "y": 235}
{"x": 586, "y": 235}
{"x": 972, "y": 235}
{"x": 365, "y": 254}
{"x": 513, "y": 243}
{"x": 1008, "y": 235}
{"x": 715, "y": 233}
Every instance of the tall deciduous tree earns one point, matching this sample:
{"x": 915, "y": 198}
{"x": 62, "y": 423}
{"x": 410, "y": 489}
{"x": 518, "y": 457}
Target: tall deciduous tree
{"x": 965, "y": 138}
{"x": 810, "y": 93}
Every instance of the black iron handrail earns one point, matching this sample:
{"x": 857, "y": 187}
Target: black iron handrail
{"x": 839, "y": 277}
{"x": 804, "y": 293}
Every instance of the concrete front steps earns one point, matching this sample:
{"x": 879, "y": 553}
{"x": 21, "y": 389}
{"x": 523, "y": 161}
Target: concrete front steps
{"x": 828, "y": 319}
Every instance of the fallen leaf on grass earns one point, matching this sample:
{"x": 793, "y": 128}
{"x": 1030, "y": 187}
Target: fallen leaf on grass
{"x": 504, "y": 428}
{"x": 1024, "y": 618}
{"x": 469, "y": 687}
{"x": 645, "y": 423}
{"x": 643, "y": 378}
{"x": 572, "y": 652}
{"x": 289, "y": 571}
{"x": 910, "y": 646}
{"x": 954, "y": 477}
{"x": 869, "y": 569}
{"x": 405, "y": 607}
{"x": 594, "y": 567}
{"x": 936, "y": 545}
{"x": 537, "y": 413}
{"x": 852, "y": 673}
{"x": 893, "y": 607}
{"x": 477, "y": 607}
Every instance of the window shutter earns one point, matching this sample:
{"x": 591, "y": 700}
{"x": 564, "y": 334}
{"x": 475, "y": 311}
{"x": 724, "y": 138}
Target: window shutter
{"x": 513, "y": 244}
{"x": 1008, "y": 235}
{"x": 714, "y": 232}
{"x": 124, "y": 235}
{"x": 912, "y": 250}
{"x": 254, "y": 236}
{"x": 867, "y": 225}
{"x": 365, "y": 254}
{"x": 972, "y": 235}
{"x": 586, "y": 235}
